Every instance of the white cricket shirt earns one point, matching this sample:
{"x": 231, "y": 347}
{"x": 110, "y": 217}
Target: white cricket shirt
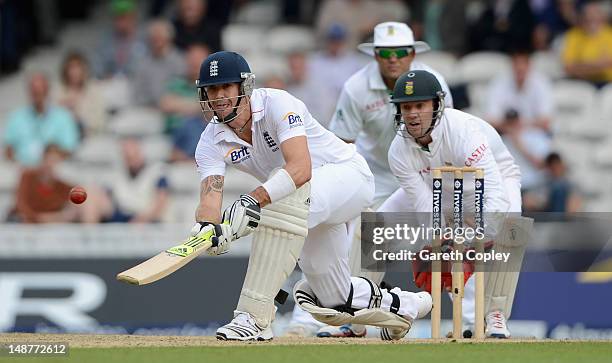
{"x": 277, "y": 116}
{"x": 457, "y": 140}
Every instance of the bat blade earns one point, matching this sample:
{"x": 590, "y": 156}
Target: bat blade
{"x": 166, "y": 262}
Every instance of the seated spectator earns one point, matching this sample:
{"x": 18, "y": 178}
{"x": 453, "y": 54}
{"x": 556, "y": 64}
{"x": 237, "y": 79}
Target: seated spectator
{"x": 524, "y": 90}
{"x": 30, "y": 129}
{"x": 179, "y": 100}
{"x": 335, "y": 63}
{"x": 141, "y": 194}
{"x": 586, "y": 50}
{"x": 81, "y": 95}
{"x": 162, "y": 63}
{"x": 529, "y": 147}
{"x": 192, "y": 26}
{"x": 321, "y": 101}
{"x": 42, "y": 197}
{"x": 186, "y": 138}
{"x": 562, "y": 196}
{"x": 503, "y": 24}
{"x": 553, "y": 18}
{"x": 120, "y": 48}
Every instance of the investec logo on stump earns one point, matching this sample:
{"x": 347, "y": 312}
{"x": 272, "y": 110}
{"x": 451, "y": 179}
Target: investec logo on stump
{"x": 238, "y": 155}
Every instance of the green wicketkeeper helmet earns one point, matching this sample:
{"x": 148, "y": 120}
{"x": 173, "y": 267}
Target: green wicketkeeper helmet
{"x": 417, "y": 85}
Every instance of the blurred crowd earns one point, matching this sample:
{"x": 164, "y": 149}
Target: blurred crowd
{"x": 147, "y": 59}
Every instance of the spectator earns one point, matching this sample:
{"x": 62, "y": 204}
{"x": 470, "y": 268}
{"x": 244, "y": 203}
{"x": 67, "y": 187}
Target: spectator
{"x": 162, "y": 63}
{"x": 332, "y": 66}
{"x": 553, "y": 17}
{"x": 42, "y": 197}
{"x": 529, "y": 146}
{"x": 179, "y": 100}
{"x": 587, "y": 50}
{"x": 524, "y": 90}
{"x": 192, "y": 25}
{"x": 140, "y": 195}
{"x": 358, "y": 16}
{"x": 81, "y": 95}
{"x": 562, "y": 196}
{"x": 186, "y": 138}
{"x": 444, "y": 24}
{"x": 320, "y": 100}
{"x": 120, "y": 48}
{"x": 503, "y": 25}
{"x": 30, "y": 129}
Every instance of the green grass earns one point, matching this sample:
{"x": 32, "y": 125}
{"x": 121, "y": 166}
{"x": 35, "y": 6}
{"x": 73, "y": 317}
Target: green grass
{"x": 582, "y": 352}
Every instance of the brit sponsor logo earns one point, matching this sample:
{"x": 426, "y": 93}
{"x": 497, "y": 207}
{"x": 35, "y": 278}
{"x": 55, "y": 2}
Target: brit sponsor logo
{"x": 476, "y": 155}
{"x": 238, "y": 155}
{"x": 294, "y": 119}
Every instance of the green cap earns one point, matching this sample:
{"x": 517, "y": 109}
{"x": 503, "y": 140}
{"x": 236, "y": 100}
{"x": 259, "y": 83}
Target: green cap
{"x": 120, "y": 7}
{"x": 416, "y": 86}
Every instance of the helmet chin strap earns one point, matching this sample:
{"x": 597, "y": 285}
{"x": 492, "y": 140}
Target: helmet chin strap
{"x": 232, "y": 115}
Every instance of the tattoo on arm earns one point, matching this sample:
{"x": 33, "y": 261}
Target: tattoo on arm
{"x": 213, "y": 183}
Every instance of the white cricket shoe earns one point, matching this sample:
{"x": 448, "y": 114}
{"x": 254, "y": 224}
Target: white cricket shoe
{"x": 424, "y": 305}
{"x": 343, "y": 331}
{"x": 496, "y": 325}
{"x": 243, "y": 327}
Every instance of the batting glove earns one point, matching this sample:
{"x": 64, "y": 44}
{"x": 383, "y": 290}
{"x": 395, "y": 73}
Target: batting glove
{"x": 243, "y": 216}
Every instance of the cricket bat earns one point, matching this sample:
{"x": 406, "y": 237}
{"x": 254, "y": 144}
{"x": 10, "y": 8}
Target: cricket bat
{"x": 168, "y": 261}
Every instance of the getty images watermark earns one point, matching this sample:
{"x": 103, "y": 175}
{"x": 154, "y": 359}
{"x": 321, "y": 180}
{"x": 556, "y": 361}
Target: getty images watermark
{"x": 420, "y": 235}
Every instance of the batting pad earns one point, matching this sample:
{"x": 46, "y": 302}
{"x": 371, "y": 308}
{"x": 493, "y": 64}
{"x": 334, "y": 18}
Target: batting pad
{"x": 303, "y": 295}
{"x": 501, "y": 280}
{"x": 275, "y": 249}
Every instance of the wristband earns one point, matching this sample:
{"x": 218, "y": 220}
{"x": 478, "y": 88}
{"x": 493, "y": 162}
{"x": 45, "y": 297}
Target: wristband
{"x": 279, "y": 185}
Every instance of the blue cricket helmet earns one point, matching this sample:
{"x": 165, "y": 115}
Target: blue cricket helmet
{"x": 221, "y": 68}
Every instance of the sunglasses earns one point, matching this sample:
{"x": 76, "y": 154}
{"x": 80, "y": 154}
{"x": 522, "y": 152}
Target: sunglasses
{"x": 387, "y": 53}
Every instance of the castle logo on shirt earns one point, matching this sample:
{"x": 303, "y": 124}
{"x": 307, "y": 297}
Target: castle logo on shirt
{"x": 270, "y": 141}
{"x": 238, "y": 154}
{"x": 294, "y": 119}
{"x": 476, "y": 155}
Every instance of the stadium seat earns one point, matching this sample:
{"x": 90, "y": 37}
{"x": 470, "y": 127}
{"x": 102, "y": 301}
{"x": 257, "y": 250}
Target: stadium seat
{"x": 137, "y": 121}
{"x": 10, "y": 176}
{"x": 482, "y": 66}
{"x": 265, "y": 13}
{"x": 243, "y": 38}
{"x": 605, "y": 100}
{"x": 183, "y": 178}
{"x": 443, "y": 62}
{"x": 98, "y": 151}
{"x": 477, "y": 92}
{"x": 576, "y": 109}
{"x": 156, "y": 148}
{"x": 266, "y": 66}
{"x": 548, "y": 63}
{"x": 285, "y": 39}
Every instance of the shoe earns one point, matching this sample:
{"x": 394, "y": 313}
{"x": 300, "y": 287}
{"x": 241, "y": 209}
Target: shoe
{"x": 496, "y": 325}
{"x": 244, "y": 328}
{"x": 425, "y": 303}
{"x": 344, "y": 331}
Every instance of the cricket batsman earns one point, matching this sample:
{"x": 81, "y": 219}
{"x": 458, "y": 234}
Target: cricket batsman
{"x": 362, "y": 118}
{"x": 431, "y": 136}
{"x": 312, "y": 185}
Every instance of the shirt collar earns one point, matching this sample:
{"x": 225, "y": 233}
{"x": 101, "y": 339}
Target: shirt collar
{"x": 375, "y": 80}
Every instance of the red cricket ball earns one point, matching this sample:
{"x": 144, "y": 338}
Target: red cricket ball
{"x": 78, "y": 195}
